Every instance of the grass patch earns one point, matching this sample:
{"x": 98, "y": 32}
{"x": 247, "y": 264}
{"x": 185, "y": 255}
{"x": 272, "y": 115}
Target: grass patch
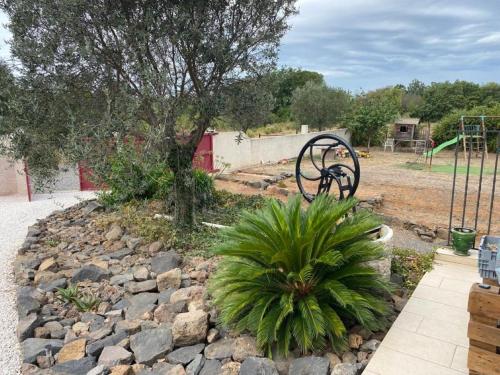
{"x": 448, "y": 169}
{"x": 411, "y": 265}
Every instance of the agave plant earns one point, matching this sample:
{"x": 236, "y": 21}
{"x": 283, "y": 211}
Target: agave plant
{"x": 296, "y": 278}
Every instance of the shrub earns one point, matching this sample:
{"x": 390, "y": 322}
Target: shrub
{"x": 411, "y": 265}
{"x": 296, "y": 277}
{"x": 133, "y": 176}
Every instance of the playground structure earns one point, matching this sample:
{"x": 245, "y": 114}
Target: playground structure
{"x": 409, "y": 133}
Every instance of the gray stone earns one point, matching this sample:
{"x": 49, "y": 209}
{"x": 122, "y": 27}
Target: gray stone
{"x": 76, "y": 367}
{"x": 99, "y": 334}
{"x": 152, "y": 344}
{"x": 120, "y": 254}
{"x": 99, "y": 370}
{"x": 95, "y": 321}
{"x": 121, "y": 279}
{"x": 114, "y": 356}
{"x": 143, "y": 299}
{"x": 27, "y": 325}
{"x": 190, "y": 328}
{"x": 309, "y": 366}
{"x": 165, "y": 261}
{"x": 196, "y": 365}
{"x": 34, "y": 347}
{"x": 33, "y": 231}
{"x": 382, "y": 266}
{"x": 141, "y": 273}
{"x": 89, "y": 272}
{"x": 164, "y": 296}
{"x": 170, "y": 279}
{"x": 135, "y": 287}
{"x": 244, "y": 347}
{"x": 220, "y": 349}
{"x": 52, "y": 286}
{"x": 133, "y": 242}
{"x": 211, "y": 367}
{"x": 129, "y": 326}
{"x": 345, "y": 369}
{"x": 185, "y": 355}
{"x": 115, "y": 233}
{"x": 92, "y": 206}
{"x": 137, "y": 311}
{"x": 370, "y": 345}
{"x": 26, "y": 305}
{"x": 349, "y": 357}
{"x": 95, "y": 348}
{"x": 258, "y": 366}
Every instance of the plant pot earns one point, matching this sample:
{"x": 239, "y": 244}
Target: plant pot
{"x": 463, "y": 240}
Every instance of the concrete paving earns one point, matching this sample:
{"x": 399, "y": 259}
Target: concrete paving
{"x": 429, "y": 337}
{"x": 16, "y": 214}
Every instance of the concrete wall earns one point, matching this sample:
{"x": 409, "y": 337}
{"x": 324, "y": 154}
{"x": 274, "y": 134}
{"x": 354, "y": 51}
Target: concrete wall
{"x": 67, "y": 179}
{"x": 254, "y": 151}
{"x": 8, "y": 181}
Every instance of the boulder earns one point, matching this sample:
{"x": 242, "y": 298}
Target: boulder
{"x": 143, "y": 299}
{"x": 169, "y": 279}
{"x": 121, "y": 279}
{"x": 258, "y": 366}
{"x": 95, "y": 348}
{"x": 190, "y": 328}
{"x": 349, "y": 357}
{"x": 141, "y": 273}
{"x": 115, "y": 355}
{"x": 89, "y": 272}
{"x": 231, "y": 368}
{"x": 185, "y": 354}
{"x": 333, "y": 359}
{"x": 164, "y": 296}
{"x": 165, "y": 261}
{"x": 115, "y": 233}
{"x": 72, "y": 351}
{"x": 211, "y": 367}
{"x": 120, "y": 254}
{"x": 166, "y": 313}
{"x": 135, "y": 287}
{"x": 370, "y": 345}
{"x": 345, "y": 369}
{"x": 52, "y": 286}
{"x": 355, "y": 341}
{"x": 245, "y": 347}
{"x": 128, "y": 326}
{"x": 49, "y": 264}
{"x": 33, "y": 347}
{"x": 155, "y": 247}
{"x": 187, "y": 294}
{"x": 309, "y": 366}
{"x": 196, "y": 365}
{"x": 151, "y": 344}
{"x": 76, "y": 367}
{"x": 27, "y": 325}
{"x": 137, "y": 311}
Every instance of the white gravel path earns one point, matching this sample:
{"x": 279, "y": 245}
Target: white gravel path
{"x": 16, "y": 214}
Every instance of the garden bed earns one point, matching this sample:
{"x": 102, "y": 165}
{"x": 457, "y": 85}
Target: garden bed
{"x": 122, "y": 292}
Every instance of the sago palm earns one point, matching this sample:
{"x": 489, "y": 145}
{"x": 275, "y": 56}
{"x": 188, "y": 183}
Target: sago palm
{"x": 296, "y": 277}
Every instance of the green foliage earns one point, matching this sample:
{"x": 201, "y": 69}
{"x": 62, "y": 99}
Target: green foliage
{"x": 134, "y": 175}
{"x": 411, "y": 265}
{"x": 284, "y": 82}
{"x": 276, "y": 128}
{"x": 82, "y": 301}
{"x": 296, "y": 277}
{"x": 447, "y": 127}
{"x": 319, "y": 106}
{"x": 371, "y": 114}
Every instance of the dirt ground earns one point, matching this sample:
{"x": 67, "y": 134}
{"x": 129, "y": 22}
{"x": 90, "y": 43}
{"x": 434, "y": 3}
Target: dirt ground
{"x": 419, "y": 196}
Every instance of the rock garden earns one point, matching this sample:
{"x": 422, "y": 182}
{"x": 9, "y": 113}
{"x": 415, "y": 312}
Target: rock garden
{"x": 95, "y": 297}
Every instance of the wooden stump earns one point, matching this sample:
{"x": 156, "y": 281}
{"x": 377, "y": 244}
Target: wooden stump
{"x": 484, "y": 331}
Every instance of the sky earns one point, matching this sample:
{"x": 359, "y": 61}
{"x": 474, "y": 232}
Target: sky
{"x": 366, "y": 44}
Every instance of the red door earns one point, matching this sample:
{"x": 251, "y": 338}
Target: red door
{"x": 203, "y": 157}
{"x": 85, "y": 178}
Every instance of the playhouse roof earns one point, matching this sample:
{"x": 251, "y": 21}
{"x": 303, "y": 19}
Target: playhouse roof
{"x": 408, "y": 121}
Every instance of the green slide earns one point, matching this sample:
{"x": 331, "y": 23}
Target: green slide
{"x": 435, "y": 150}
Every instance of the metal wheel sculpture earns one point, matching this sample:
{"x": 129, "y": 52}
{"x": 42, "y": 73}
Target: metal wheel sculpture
{"x": 324, "y": 161}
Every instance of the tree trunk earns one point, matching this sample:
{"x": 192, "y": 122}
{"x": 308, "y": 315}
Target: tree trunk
{"x": 180, "y": 161}
{"x": 369, "y": 141}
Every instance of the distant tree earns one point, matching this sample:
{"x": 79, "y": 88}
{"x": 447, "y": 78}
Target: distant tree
{"x": 318, "y": 105}
{"x": 248, "y": 104}
{"x": 174, "y": 59}
{"x": 371, "y": 114}
{"x": 284, "y": 82}
{"x": 416, "y": 87}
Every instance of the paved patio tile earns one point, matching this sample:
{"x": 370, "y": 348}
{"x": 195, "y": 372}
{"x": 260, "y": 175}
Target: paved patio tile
{"x": 409, "y": 321}
{"x": 431, "y": 279}
{"x": 445, "y": 331}
{"x": 437, "y": 311}
{"x": 460, "y": 360}
{"x": 444, "y": 296}
{"x": 420, "y": 346}
{"x": 456, "y": 285}
{"x": 392, "y": 362}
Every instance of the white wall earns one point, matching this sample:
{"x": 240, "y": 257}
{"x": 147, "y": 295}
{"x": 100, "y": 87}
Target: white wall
{"x": 254, "y": 151}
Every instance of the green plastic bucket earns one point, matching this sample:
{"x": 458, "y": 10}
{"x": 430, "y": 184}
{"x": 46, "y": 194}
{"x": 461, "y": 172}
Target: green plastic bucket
{"x": 463, "y": 240}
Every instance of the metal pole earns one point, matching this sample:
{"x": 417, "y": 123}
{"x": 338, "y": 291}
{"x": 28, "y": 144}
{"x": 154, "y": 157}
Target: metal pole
{"x": 457, "y": 145}
{"x": 480, "y": 177}
{"x": 497, "y": 149}
{"x": 467, "y": 181}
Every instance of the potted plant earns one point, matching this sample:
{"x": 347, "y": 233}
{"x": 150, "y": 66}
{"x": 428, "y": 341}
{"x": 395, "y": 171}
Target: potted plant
{"x": 463, "y": 240}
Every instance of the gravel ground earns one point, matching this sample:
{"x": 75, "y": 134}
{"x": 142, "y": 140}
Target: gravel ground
{"x": 16, "y": 214}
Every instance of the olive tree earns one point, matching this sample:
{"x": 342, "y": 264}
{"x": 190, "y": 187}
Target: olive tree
{"x": 172, "y": 58}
